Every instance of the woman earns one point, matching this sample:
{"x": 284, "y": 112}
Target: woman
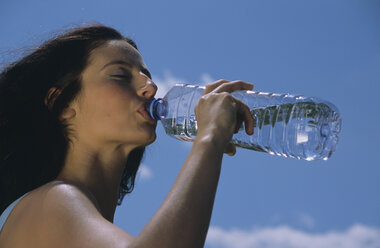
{"x": 73, "y": 127}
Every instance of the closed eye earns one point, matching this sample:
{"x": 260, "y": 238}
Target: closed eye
{"x": 121, "y": 77}
{"x": 121, "y": 73}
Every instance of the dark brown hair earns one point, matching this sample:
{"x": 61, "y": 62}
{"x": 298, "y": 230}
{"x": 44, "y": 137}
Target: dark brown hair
{"x": 33, "y": 142}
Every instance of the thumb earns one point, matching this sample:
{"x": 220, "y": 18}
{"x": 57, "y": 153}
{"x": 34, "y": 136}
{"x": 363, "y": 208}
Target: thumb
{"x": 230, "y": 149}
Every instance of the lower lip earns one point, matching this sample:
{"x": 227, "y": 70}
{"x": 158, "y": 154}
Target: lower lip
{"x": 146, "y": 116}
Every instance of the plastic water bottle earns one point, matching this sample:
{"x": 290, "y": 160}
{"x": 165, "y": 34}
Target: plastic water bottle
{"x": 285, "y": 125}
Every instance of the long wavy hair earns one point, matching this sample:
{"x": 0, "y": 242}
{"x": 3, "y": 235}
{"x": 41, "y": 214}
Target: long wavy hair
{"x": 33, "y": 141}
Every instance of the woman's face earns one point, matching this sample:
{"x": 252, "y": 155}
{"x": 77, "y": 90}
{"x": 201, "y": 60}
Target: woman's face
{"x": 110, "y": 108}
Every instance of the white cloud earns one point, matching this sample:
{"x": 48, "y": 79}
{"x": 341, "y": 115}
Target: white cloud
{"x": 165, "y": 83}
{"x": 357, "y": 236}
{"x": 144, "y": 172}
{"x": 206, "y": 79}
{"x": 168, "y": 80}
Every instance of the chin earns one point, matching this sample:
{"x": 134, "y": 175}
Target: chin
{"x": 146, "y": 137}
{"x": 152, "y": 139}
{"x": 151, "y": 134}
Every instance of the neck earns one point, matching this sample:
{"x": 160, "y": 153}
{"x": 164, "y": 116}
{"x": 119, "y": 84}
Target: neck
{"x": 98, "y": 170}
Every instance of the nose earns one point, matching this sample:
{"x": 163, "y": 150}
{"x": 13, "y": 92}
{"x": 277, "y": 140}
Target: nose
{"x": 148, "y": 90}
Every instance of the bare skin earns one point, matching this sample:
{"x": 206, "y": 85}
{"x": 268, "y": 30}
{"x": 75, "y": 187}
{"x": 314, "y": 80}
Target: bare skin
{"x": 77, "y": 209}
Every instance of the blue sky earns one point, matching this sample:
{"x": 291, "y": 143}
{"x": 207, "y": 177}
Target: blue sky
{"x": 328, "y": 49}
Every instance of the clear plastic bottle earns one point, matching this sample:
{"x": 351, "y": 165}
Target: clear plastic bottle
{"x": 285, "y": 125}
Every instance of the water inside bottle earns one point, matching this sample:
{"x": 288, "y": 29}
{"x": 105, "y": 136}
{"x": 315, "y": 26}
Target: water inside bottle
{"x": 305, "y": 130}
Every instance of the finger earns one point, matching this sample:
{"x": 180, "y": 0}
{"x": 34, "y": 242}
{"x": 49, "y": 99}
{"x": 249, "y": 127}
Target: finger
{"x": 245, "y": 112}
{"x": 238, "y": 124}
{"x": 233, "y": 86}
{"x": 230, "y": 149}
{"x": 210, "y": 87}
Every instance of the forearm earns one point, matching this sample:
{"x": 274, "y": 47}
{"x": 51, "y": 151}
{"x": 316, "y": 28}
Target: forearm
{"x": 184, "y": 216}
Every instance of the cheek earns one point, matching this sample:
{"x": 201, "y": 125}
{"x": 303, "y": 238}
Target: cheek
{"x": 108, "y": 108}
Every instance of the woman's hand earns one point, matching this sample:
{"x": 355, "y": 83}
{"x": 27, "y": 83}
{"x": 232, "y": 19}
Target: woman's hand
{"x": 220, "y": 115}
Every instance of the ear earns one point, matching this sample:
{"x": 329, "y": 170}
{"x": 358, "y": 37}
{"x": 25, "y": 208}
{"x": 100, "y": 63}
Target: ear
{"x": 67, "y": 114}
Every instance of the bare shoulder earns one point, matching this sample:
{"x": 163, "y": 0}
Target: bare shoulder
{"x": 60, "y": 214}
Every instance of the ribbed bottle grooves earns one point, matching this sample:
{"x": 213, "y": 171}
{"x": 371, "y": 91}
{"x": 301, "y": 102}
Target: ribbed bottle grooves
{"x": 300, "y": 152}
{"x": 281, "y": 131}
{"x": 278, "y": 131}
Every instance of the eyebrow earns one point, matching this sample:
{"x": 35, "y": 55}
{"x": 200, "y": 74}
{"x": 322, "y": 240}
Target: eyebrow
{"x": 122, "y": 62}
